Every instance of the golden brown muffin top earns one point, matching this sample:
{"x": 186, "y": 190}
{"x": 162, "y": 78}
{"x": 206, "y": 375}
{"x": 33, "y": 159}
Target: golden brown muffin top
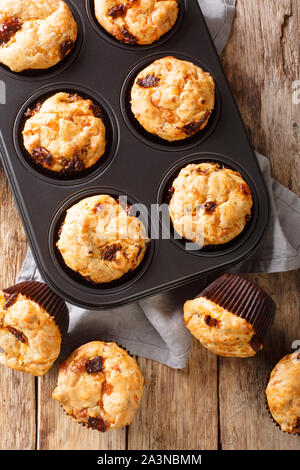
{"x": 100, "y": 240}
{"x": 35, "y": 34}
{"x": 210, "y": 205}
{"x": 30, "y": 340}
{"x": 173, "y": 98}
{"x": 220, "y": 331}
{"x": 283, "y": 393}
{"x": 136, "y": 21}
{"x": 65, "y": 133}
{"x": 100, "y": 385}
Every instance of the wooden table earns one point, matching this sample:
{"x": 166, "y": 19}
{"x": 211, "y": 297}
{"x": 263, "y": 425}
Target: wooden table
{"x": 215, "y": 402}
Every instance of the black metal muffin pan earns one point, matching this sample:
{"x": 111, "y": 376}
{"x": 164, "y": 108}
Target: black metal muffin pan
{"x": 136, "y": 164}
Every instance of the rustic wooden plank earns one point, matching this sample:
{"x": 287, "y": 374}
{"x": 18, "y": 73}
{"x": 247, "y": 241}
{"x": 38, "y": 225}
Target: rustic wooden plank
{"x": 180, "y": 407}
{"x": 17, "y": 390}
{"x": 262, "y": 60}
{"x": 56, "y": 431}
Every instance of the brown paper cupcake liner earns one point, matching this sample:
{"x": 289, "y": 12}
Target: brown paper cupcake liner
{"x": 244, "y": 299}
{"x": 47, "y": 299}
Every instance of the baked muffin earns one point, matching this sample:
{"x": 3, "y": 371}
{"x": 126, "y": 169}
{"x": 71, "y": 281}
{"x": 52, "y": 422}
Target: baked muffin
{"x": 136, "y": 21}
{"x": 209, "y": 205}
{"x": 100, "y": 240}
{"x": 100, "y": 386}
{"x": 35, "y": 34}
{"x": 65, "y": 134}
{"x": 173, "y": 98}
{"x": 33, "y": 321}
{"x": 230, "y": 317}
{"x": 283, "y": 393}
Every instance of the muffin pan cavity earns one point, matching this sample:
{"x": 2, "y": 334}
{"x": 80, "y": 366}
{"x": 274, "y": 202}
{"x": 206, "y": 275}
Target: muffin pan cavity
{"x": 150, "y": 139}
{"x": 108, "y": 118}
{"x": 90, "y": 10}
{"x": 164, "y": 197}
{"x": 135, "y": 161}
{"x": 45, "y": 74}
{"x": 76, "y": 279}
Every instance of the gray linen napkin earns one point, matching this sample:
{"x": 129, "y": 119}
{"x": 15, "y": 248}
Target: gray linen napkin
{"x": 154, "y": 327}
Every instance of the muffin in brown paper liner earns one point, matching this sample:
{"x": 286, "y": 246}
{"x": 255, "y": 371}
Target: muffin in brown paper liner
{"x": 231, "y": 316}
{"x": 282, "y": 393}
{"x": 100, "y": 386}
{"x": 46, "y": 298}
{"x": 33, "y": 322}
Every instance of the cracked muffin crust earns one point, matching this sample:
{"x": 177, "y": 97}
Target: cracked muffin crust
{"x": 65, "y": 133}
{"x": 30, "y": 339}
{"x": 173, "y": 98}
{"x": 283, "y": 393}
{"x": 100, "y": 240}
{"x": 35, "y": 34}
{"x": 219, "y": 330}
{"x": 210, "y": 205}
{"x": 100, "y": 385}
{"x": 136, "y": 21}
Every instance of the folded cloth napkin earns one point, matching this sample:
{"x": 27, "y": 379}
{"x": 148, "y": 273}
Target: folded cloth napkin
{"x": 154, "y": 327}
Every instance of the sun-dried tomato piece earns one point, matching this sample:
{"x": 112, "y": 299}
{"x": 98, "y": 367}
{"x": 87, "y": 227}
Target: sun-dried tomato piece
{"x": 244, "y": 189}
{"x": 210, "y": 321}
{"x": 210, "y": 206}
{"x": 194, "y": 126}
{"x": 94, "y": 365}
{"x": 97, "y": 423}
{"x": 66, "y": 47}
{"x": 10, "y": 299}
{"x": 18, "y": 334}
{"x": 118, "y": 10}
{"x": 127, "y": 37}
{"x": 31, "y": 112}
{"x": 60, "y": 229}
{"x": 75, "y": 164}
{"x": 110, "y": 251}
{"x": 255, "y": 343}
{"x": 8, "y": 28}
{"x": 96, "y": 110}
{"x": 42, "y": 155}
{"x": 202, "y": 172}
{"x": 149, "y": 81}
{"x": 296, "y": 429}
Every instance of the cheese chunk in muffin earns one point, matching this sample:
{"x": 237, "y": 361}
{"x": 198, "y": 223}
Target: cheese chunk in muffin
{"x": 210, "y": 205}
{"x": 100, "y": 386}
{"x": 283, "y": 393}
{"x": 35, "y": 34}
{"x": 100, "y": 240}
{"x": 65, "y": 134}
{"x": 136, "y": 21}
{"x": 173, "y": 99}
{"x": 30, "y": 340}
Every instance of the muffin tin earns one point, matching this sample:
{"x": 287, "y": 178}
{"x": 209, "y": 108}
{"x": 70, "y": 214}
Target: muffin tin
{"x": 136, "y": 164}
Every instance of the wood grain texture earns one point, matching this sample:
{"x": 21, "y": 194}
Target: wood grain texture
{"x": 261, "y": 68}
{"x": 57, "y": 431}
{"x": 179, "y": 407}
{"x": 17, "y": 390}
